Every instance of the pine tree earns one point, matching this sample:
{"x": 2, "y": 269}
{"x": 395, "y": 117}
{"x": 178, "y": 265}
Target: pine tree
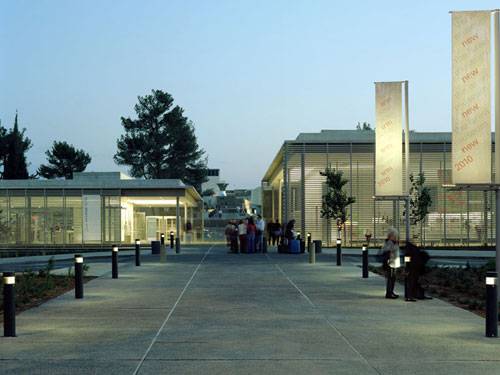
{"x": 17, "y": 144}
{"x": 161, "y": 142}
{"x": 63, "y": 160}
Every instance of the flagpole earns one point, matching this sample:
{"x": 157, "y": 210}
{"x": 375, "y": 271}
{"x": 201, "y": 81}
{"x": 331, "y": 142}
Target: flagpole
{"x": 407, "y": 162}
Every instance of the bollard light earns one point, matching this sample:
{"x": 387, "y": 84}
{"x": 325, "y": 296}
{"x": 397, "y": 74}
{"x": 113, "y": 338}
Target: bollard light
{"x": 339, "y": 252}
{"x": 163, "y": 251}
{"x": 364, "y": 250}
{"x": 78, "y": 276}
{"x": 171, "y": 239}
{"x": 9, "y": 304}
{"x": 408, "y": 296}
{"x": 162, "y": 239}
{"x": 309, "y": 248}
{"x": 491, "y": 304}
{"x": 114, "y": 262}
{"x": 137, "y": 252}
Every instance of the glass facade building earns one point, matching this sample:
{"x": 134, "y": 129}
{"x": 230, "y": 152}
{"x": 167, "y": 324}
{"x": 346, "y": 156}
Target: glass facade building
{"x": 293, "y": 189}
{"x": 97, "y": 209}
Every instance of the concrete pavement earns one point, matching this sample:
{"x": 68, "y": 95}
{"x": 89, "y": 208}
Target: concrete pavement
{"x": 208, "y": 312}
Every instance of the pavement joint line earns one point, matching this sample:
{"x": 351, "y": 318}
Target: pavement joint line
{"x": 344, "y": 338}
{"x": 155, "y": 338}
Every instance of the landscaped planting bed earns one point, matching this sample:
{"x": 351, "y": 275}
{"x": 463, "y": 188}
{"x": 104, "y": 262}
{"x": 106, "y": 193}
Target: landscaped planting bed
{"x": 462, "y": 286}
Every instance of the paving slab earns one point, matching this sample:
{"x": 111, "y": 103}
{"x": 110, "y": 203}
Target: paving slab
{"x": 209, "y": 312}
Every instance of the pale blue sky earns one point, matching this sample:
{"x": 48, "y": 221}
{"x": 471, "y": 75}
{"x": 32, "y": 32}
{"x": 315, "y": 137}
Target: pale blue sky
{"x": 248, "y": 73}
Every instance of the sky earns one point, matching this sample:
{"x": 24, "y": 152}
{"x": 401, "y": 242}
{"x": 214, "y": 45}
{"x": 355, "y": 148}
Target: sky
{"x": 249, "y": 74}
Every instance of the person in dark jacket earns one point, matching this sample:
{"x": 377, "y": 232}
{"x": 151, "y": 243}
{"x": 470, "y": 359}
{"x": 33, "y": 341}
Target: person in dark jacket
{"x": 418, "y": 260}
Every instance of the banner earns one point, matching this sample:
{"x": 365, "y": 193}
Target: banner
{"x": 91, "y": 218}
{"x": 471, "y": 98}
{"x": 388, "y": 139}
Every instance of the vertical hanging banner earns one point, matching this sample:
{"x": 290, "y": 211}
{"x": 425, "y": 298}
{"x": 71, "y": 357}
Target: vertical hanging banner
{"x": 471, "y": 97}
{"x": 388, "y": 139}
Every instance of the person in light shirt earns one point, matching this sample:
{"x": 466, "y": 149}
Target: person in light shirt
{"x": 391, "y": 261}
{"x": 259, "y": 236}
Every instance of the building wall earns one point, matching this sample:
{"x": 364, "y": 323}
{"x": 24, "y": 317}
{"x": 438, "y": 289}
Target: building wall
{"x": 455, "y": 218}
{"x": 70, "y": 217}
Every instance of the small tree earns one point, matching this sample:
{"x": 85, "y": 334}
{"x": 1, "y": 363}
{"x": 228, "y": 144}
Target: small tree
{"x": 17, "y": 144}
{"x": 335, "y": 200}
{"x": 63, "y": 160}
{"x": 420, "y": 200}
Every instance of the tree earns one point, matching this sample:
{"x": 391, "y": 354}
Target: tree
{"x": 364, "y": 126}
{"x": 17, "y": 144}
{"x": 420, "y": 201}
{"x": 161, "y": 142}
{"x": 64, "y": 159}
{"x": 335, "y": 200}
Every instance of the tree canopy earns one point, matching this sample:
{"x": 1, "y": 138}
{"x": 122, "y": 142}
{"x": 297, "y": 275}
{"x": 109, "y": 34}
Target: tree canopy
{"x": 63, "y": 160}
{"x": 14, "y": 145}
{"x": 335, "y": 200}
{"x": 160, "y": 142}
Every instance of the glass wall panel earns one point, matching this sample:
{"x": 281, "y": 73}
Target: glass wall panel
{"x": 112, "y": 218}
{"x": 18, "y": 214}
{"x": 4, "y": 219}
{"x": 74, "y": 220}
{"x": 38, "y": 220}
{"x": 55, "y": 220}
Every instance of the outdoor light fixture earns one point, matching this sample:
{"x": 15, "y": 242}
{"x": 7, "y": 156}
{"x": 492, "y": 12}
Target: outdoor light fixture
{"x": 9, "y": 304}
{"x": 162, "y": 235}
{"x": 407, "y": 259}
{"x": 78, "y": 276}
{"x": 309, "y": 234}
{"x": 339, "y": 241}
{"x": 9, "y": 280}
{"x": 491, "y": 280}
{"x": 364, "y": 268}
{"x": 114, "y": 262}
{"x": 137, "y": 242}
{"x": 491, "y": 304}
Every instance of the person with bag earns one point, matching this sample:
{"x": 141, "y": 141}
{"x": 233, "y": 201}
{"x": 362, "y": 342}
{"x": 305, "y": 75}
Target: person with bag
{"x": 391, "y": 261}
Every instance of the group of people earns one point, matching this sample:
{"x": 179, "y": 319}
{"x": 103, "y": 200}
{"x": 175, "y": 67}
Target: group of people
{"x": 246, "y": 235}
{"x": 391, "y": 262}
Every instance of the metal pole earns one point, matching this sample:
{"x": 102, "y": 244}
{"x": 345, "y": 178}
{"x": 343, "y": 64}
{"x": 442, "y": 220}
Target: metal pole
{"x": 137, "y": 252}
{"x": 496, "y": 36}
{"x": 491, "y": 304}
{"x": 163, "y": 251}
{"x": 114, "y": 262}
{"x": 365, "y": 261}
{"x": 177, "y": 226}
{"x": 311, "y": 249}
{"x": 9, "y": 304}
{"x": 339, "y": 252}
{"x": 407, "y": 162}
{"x": 78, "y": 276}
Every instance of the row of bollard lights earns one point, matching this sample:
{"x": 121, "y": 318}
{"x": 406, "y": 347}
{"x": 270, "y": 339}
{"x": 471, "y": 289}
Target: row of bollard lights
{"x": 491, "y": 281}
{"x": 9, "y": 281}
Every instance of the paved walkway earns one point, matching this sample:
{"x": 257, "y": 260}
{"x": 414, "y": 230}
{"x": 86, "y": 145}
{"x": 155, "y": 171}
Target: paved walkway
{"x": 207, "y": 312}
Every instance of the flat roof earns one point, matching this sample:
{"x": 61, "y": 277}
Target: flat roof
{"x": 366, "y": 136}
{"x": 100, "y": 180}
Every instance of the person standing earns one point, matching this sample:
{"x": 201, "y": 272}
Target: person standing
{"x": 259, "y": 235}
{"x": 278, "y": 232}
{"x": 391, "y": 261}
{"x": 242, "y": 234}
{"x": 251, "y": 231}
